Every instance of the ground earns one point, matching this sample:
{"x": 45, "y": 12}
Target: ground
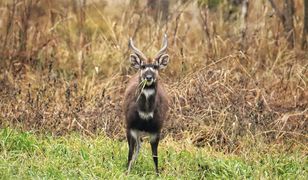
{"x": 24, "y": 155}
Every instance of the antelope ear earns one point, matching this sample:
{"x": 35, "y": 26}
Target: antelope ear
{"x": 135, "y": 61}
{"x": 162, "y": 61}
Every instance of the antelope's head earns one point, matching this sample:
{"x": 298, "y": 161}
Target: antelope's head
{"x": 149, "y": 69}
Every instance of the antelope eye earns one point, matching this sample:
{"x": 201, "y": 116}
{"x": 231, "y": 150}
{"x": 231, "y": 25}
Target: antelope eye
{"x": 156, "y": 66}
{"x": 142, "y": 66}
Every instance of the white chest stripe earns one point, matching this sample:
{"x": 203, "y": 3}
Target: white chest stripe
{"x": 145, "y": 115}
{"x": 148, "y": 92}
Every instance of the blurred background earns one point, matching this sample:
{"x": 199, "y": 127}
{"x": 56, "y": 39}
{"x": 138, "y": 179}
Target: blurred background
{"x": 237, "y": 71}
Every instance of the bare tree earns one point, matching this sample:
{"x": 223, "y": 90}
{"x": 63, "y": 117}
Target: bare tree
{"x": 152, "y": 8}
{"x": 134, "y": 3}
{"x": 164, "y": 9}
{"x": 204, "y": 10}
{"x": 79, "y": 8}
{"x": 236, "y": 2}
{"x": 286, "y": 17}
{"x": 159, "y": 9}
{"x": 245, "y": 6}
{"x": 305, "y": 29}
{"x": 10, "y": 23}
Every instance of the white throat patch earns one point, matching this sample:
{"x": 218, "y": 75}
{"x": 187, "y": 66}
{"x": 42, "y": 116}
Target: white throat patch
{"x": 148, "y": 92}
{"x": 145, "y": 115}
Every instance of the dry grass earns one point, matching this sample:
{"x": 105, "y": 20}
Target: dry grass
{"x": 65, "y": 69}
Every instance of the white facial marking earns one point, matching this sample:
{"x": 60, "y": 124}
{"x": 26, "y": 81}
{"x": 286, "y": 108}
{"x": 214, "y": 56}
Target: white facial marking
{"x": 148, "y": 92}
{"x": 145, "y": 115}
{"x": 147, "y": 69}
{"x": 142, "y": 71}
{"x": 150, "y": 69}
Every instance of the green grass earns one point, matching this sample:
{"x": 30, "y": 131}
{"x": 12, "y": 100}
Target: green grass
{"x": 24, "y": 155}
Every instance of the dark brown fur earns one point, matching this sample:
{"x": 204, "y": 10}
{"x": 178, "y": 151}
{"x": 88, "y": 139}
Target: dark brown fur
{"x": 131, "y": 106}
{"x": 145, "y": 104}
{"x": 157, "y": 103}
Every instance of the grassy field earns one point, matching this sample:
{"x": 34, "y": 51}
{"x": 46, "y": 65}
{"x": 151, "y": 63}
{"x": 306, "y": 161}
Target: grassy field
{"x": 24, "y": 155}
{"x": 238, "y": 91}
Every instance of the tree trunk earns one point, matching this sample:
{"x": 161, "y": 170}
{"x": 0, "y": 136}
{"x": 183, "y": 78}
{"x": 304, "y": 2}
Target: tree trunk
{"x": 134, "y": 4}
{"x": 305, "y": 28}
{"x": 164, "y": 9}
{"x": 244, "y": 15}
{"x": 289, "y": 27}
{"x": 159, "y": 9}
{"x": 286, "y": 17}
{"x": 203, "y": 10}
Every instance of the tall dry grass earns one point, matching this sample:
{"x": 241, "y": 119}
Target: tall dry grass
{"x": 64, "y": 68}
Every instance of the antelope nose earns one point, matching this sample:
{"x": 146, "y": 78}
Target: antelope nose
{"x": 148, "y": 77}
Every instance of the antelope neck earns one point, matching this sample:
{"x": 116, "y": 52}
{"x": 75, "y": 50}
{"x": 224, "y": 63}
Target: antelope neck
{"x": 147, "y": 93}
{"x": 146, "y": 102}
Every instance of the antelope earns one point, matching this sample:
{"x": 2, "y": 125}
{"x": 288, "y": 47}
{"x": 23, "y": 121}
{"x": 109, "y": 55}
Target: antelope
{"x": 145, "y": 102}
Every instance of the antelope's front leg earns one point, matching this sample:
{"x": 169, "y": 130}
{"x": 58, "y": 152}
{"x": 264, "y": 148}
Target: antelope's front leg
{"x": 131, "y": 145}
{"x": 132, "y": 156}
{"x": 154, "y": 146}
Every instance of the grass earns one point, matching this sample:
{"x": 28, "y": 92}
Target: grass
{"x": 24, "y": 155}
{"x": 69, "y": 73}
